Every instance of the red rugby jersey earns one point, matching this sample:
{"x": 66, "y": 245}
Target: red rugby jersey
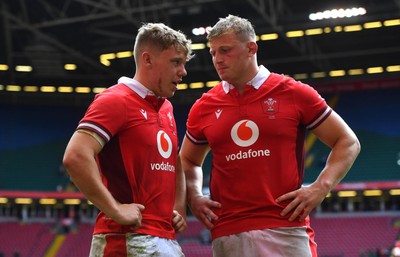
{"x": 257, "y": 143}
{"x": 138, "y": 161}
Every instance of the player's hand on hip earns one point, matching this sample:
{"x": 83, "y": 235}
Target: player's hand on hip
{"x": 129, "y": 214}
{"x": 178, "y": 222}
{"x": 302, "y": 201}
{"x": 202, "y": 207}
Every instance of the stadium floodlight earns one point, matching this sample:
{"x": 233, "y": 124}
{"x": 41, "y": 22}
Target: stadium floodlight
{"x": 347, "y": 193}
{"x": 201, "y": 31}
{"x": 72, "y": 201}
{"x": 22, "y": 200}
{"x": 337, "y": 13}
{"x": 3, "y": 67}
{"x": 372, "y": 192}
{"x": 23, "y": 68}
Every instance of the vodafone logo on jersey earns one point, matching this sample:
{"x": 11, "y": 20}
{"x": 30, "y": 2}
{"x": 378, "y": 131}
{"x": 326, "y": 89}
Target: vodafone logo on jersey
{"x": 164, "y": 144}
{"x": 244, "y": 133}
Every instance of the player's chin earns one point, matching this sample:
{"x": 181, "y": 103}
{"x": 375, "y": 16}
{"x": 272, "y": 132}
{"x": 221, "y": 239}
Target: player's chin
{"x": 223, "y": 76}
{"x": 173, "y": 90}
{"x": 170, "y": 93}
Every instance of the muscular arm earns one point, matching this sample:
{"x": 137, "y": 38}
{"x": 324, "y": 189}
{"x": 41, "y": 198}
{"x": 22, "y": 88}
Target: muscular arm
{"x": 180, "y": 197}
{"x": 336, "y": 134}
{"x": 79, "y": 160}
{"x": 179, "y": 214}
{"x": 345, "y": 147}
{"x": 192, "y": 157}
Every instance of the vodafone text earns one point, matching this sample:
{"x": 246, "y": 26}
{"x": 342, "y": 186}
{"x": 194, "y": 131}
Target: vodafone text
{"x": 247, "y": 154}
{"x": 162, "y": 166}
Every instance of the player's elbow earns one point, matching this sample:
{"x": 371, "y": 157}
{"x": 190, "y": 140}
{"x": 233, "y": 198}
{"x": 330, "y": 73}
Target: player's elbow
{"x": 71, "y": 159}
{"x": 356, "y": 146}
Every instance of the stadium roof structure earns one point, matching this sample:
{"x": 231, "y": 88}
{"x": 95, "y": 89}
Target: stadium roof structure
{"x": 96, "y": 37}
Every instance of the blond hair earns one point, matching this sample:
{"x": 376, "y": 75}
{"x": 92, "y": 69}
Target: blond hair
{"x": 162, "y": 37}
{"x": 241, "y": 27}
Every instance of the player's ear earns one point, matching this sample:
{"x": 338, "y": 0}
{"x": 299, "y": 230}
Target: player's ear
{"x": 252, "y": 47}
{"x": 146, "y": 58}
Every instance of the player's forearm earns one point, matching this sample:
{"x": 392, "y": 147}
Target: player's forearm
{"x": 339, "y": 162}
{"x": 194, "y": 182}
{"x": 180, "y": 194}
{"x": 80, "y": 162}
{"x": 86, "y": 176}
{"x": 94, "y": 190}
{"x": 192, "y": 158}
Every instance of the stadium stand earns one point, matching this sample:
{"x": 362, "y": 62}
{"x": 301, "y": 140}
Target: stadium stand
{"x": 77, "y": 243}
{"x": 367, "y": 112}
{"x": 30, "y": 239}
{"x": 352, "y": 229}
{"x": 350, "y": 236}
{"x": 337, "y": 235}
{"x": 34, "y": 143}
{"x": 196, "y": 249}
{"x": 193, "y": 233}
{"x": 370, "y": 114}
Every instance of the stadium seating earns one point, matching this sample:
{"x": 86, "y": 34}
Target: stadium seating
{"x": 77, "y": 243}
{"x": 196, "y": 249}
{"x": 350, "y": 236}
{"x": 338, "y": 235}
{"x": 367, "y": 112}
{"x": 193, "y": 233}
{"x": 30, "y": 239}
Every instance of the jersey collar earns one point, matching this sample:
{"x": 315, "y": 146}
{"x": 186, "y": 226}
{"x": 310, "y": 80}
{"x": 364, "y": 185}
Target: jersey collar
{"x": 261, "y": 76}
{"x": 136, "y": 86}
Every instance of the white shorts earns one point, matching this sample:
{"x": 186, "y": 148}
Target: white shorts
{"x": 133, "y": 245}
{"x": 278, "y": 242}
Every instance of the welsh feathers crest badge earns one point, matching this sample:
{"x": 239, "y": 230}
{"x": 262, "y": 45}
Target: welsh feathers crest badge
{"x": 270, "y": 105}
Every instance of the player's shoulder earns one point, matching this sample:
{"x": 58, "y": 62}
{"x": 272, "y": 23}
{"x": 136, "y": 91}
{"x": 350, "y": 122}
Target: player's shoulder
{"x": 213, "y": 93}
{"x": 287, "y": 83}
{"x": 167, "y": 105}
{"x": 283, "y": 79}
{"x": 118, "y": 92}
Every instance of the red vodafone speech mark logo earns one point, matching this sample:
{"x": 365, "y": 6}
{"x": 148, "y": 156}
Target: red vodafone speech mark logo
{"x": 244, "y": 133}
{"x": 164, "y": 144}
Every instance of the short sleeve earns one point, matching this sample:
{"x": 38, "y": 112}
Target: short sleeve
{"x": 311, "y": 105}
{"x": 106, "y": 115}
{"x": 194, "y": 124}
